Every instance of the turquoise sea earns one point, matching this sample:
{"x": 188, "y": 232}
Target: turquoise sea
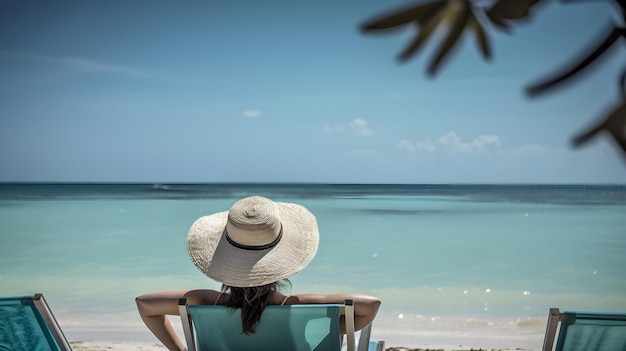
{"x": 471, "y": 265}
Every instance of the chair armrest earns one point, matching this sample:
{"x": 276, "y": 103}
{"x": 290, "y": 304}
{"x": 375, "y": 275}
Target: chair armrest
{"x": 349, "y": 318}
{"x": 187, "y": 324}
{"x": 364, "y": 339}
{"x": 554, "y": 317}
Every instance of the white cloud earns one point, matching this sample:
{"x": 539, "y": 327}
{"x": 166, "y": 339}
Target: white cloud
{"x": 451, "y": 142}
{"x": 250, "y": 113}
{"x": 333, "y": 128}
{"x": 405, "y": 145}
{"x": 83, "y": 65}
{"x": 359, "y": 126}
{"x": 426, "y": 145}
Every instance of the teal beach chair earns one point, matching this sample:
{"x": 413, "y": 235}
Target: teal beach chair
{"x": 364, "y": 341}
{"x": 27, "y": 323}
{"x": 289, "y": 327}
{"x": 585, "y": 331}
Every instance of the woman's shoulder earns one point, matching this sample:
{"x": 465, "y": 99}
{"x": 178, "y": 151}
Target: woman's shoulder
{"x": 330, "y": 299}
{"x": 202, "y": 296}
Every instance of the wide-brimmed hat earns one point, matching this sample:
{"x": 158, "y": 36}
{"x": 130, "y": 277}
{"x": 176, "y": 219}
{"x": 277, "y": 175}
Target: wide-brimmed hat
{"x": 257, "y": 242}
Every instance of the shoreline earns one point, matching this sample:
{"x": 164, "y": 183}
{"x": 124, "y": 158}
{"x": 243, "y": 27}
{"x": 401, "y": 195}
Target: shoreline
{"x": 155, "y": 346}
{"x": 404, "y": 334}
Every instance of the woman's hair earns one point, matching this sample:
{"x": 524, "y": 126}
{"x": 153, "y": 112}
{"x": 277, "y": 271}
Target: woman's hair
{"x": 252, "y": 302}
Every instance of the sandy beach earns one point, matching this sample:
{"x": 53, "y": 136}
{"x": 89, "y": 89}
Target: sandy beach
{"x": 137, "y": 338}
{"x": 138, "y": 346}
{"x": 115, "y": 346}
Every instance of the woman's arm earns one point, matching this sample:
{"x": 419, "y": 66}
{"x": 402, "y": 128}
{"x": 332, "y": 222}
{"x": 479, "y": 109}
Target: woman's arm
{"x": 154, "y": 307}
{"x": 365, "y": 306}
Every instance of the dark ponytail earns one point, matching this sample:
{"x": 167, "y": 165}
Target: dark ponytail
{"x": 252, "y": 302}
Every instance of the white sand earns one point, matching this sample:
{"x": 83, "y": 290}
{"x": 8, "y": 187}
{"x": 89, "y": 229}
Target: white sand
{"x": 138, "y": 346}
{"x": 427, "y": 337}
{"x": 115, "y": 346}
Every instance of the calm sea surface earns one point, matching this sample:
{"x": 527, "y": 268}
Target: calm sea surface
{"x": 454, "y": 264}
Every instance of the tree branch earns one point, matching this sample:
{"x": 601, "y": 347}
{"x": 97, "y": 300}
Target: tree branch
{"x": 610, "y": 39}
{"x": 622, "y": 83}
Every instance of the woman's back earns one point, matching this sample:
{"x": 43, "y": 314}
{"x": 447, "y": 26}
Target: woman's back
{"x": 249, "y": 249}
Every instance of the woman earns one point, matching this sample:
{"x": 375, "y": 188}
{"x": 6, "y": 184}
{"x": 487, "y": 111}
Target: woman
{"x": 251, "y": 250}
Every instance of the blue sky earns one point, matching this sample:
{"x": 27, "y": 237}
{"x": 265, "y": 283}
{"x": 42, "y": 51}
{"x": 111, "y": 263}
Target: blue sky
{"x": 291, "y": 91}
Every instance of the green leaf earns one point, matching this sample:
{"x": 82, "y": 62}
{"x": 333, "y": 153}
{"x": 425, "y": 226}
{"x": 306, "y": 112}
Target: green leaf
{"x": 614, "y": 124}
{"x": 481, "y": 37}
{"x": 622, "y": 84}
{"x": 459, "y": 21}
{"x": 404, "y": 16}
{"x": 611, "y": 37}
{"x": 512, "y": 9}
{"x": 498, "y": 22}
{"x": 428, "y": 26}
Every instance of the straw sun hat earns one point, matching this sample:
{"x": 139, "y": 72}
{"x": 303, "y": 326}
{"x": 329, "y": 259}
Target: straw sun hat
{"x": 257, "y": 242}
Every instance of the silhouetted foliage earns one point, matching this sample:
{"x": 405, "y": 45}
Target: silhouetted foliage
{"x": 462, "y": 15}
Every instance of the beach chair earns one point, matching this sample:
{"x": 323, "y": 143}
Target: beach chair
{"x": 27, "y": 323}
{"x": 365, "y": 343}
{"x": 290, "y": 327}
{"x": 585, "y": 331}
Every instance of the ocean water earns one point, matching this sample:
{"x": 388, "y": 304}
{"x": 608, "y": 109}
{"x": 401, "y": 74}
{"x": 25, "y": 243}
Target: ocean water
{"x": 470, "y": 265}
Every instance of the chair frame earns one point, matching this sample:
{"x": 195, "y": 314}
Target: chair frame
{"x": 556, "y": 317}
{"x": 364, "y": 340}
{"x": 347, "y": 309}
{"x": 41, "y": 305}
